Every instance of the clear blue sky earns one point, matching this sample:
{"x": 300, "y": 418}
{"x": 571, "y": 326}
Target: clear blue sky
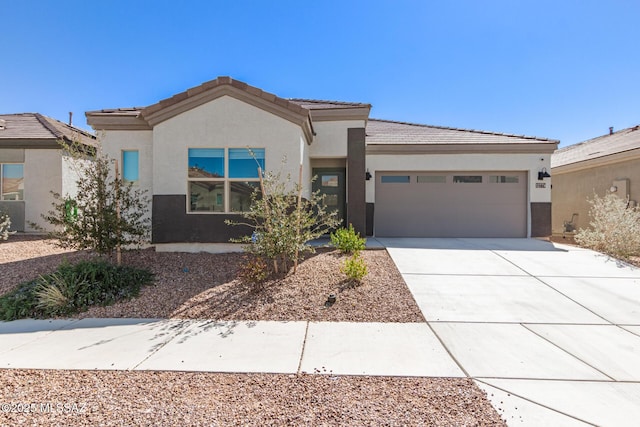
{"x": 560, "y": 69}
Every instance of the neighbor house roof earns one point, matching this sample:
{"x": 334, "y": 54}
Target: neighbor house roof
{"x": 35, "y": 130}
{"x": 401, "y": 135}
{"x": 622, "y": 141}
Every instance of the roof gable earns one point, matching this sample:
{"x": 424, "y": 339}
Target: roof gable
{"x": 226, "y": 86}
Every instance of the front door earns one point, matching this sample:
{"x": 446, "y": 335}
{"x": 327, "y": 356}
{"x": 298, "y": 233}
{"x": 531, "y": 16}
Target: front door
{"x": 331, "y": 182}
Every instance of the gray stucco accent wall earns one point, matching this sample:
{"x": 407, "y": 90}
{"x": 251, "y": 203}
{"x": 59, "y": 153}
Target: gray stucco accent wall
{"x": 172, "y": 224}
{"x": 540, "y": 219}
{"x": 356, "y": 205}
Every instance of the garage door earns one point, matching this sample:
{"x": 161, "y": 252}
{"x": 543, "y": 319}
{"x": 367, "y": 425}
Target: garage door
{"x": 451, "y": 204}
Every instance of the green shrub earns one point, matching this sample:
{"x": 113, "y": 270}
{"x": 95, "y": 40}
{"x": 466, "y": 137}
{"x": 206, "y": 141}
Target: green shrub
{"x": 72, "y": 289}
{"x": 614, "y": 228}
{"x": 355, "y": 268}
{"x": 5, "y": 224}
{"x": 347, "y": 240}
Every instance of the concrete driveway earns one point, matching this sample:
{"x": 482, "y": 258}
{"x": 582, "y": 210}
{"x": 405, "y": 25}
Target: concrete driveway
{"x": 551, "y": 332}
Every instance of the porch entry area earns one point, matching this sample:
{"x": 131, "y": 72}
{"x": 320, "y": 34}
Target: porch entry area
{"x": 331, "y": 182}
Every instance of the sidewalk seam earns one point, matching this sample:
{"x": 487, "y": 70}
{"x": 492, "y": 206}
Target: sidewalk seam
{"x": 304, "y": 346}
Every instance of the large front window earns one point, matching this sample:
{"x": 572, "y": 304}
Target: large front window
{"x": 11, "y": 181}
{"x": 222, "y": 179}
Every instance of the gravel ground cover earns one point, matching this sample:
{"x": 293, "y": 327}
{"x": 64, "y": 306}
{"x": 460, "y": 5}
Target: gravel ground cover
{"x": 204, "y": 286}
{"x": 114, "y": 398}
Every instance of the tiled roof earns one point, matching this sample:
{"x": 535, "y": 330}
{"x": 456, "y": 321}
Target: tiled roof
{"x": 391, "y": 132}
{"x": 222, "y": 81}
{"x": 316, "y": 104}
{"x": 606, "y": 145}
{"x": 29, "y": 126}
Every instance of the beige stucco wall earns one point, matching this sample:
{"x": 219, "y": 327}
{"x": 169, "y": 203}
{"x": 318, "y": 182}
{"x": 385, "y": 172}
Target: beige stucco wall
{"x": 572, "y": 189}
{"x": 115, "y": 141}
{"x": 224, "y": 123}
{"x": 42, "y": 174}
{"x": 330, "y": 140}
{"x": 531, "y": 163}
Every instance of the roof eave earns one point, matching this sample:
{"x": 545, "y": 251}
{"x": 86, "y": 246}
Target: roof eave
{"x": 530, "y": 148}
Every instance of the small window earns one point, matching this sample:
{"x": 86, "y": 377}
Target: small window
{"x": 206, "y": 162}
{"x": 244, "y": 163}
{"x": 467, "y": 179}
{"x": 432, "y": 179}
{"x": 329, "y": 180}
{"x": 503, "y": 179}
{"x": 130, "y": 159}
{"x": 395, "y": 179}
{"x": 12, "y": 181}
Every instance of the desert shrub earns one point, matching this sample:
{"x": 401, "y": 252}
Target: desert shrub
{"x": 283, "y": 222}
{"x": 347, "y": 240}
{"x": 107, "y": 213}
{"x": 614, "y": 229}
{"x": 72, "y": 289}
{"x": 5, "y": 224}
{"x": 254, "y": 272}
{"x": 355, "y": 268}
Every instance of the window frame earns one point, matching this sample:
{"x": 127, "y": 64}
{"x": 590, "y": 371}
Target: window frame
{"x": 2, "y": 165}
{"x": 124, "y": 150}
{"x": 225, "y": 180}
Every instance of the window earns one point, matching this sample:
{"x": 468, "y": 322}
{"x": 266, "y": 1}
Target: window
{"x": 394, "y": 179}
{"x": 130, "y": 160}
{"x": 223, "y": 179}
{"x": 432, "y": 179}
{"x": 11, "y": 181}
{"x": 503, "y": 179}
{"x": 468, "y": 179}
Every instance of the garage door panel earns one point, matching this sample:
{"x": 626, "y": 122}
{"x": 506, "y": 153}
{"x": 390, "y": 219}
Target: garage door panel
{"x": 427, "y": 207}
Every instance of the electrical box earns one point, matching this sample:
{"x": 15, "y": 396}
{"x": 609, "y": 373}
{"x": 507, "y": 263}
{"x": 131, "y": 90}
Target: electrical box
{"x": 621, "y": 188}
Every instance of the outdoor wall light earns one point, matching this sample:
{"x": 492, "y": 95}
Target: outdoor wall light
{"x": 367, "y": 175}
{"x": 543, "y": 174}
{"x": 613, "y": 189}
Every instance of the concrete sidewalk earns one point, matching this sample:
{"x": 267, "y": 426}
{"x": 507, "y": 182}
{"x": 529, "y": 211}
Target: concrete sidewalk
{"x": 390, "y": 349}
{"x": 550, "y": 332}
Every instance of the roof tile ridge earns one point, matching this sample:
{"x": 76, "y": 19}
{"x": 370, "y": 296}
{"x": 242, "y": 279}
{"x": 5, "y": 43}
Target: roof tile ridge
{"x": 70, "y": 127}
{"x": 44, "y": 122}
{"x": 485, "y": 132}
{"x": 328, "y": 101}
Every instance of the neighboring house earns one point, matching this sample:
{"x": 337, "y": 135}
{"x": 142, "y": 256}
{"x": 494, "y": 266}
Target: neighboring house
{"x": 32, "y": 164}
{"x": 606, "y": 164}
{"x": 386, "y": 178}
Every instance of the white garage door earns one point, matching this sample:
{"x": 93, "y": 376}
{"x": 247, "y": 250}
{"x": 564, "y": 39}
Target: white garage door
{"x": 451, "y": 204}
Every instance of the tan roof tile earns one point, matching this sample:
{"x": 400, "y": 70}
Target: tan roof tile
{"x": 601, "y": 146}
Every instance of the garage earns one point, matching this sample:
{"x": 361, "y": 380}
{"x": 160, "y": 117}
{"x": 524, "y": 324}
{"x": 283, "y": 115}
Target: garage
{"x": 450, "y": 204}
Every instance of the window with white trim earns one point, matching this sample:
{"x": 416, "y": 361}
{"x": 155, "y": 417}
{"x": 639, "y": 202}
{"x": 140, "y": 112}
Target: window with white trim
{"x": 11, "y": 181}
{"x": 223, "y": 179}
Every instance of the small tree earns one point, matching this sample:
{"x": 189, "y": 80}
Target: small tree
{"x": 106, "y": 213}
{"x": 283, "y": 222}
{"x": 615, "y": 227}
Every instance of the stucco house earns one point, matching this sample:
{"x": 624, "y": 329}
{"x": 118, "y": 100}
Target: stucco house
{"x": 197, "y": 154}
{"x": 32, "y": 164}
{"x": 606, "y": 164}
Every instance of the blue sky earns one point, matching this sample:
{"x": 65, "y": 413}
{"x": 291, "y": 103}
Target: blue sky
{"x": 562, "y": 69}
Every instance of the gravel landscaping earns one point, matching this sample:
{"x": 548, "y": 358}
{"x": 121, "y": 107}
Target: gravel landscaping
{"x": 196, "y": 399}
{"x": 205, "y": 286}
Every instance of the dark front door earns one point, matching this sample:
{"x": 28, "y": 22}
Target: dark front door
{"x": 332, "y": 185}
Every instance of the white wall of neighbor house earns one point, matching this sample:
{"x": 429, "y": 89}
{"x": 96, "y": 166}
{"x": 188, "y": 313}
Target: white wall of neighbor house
{"x": 532, "y": 163}
{"x": 225, "y": 123}
{"x": 331, "y": 138}
{"x": 42, "y": 174}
